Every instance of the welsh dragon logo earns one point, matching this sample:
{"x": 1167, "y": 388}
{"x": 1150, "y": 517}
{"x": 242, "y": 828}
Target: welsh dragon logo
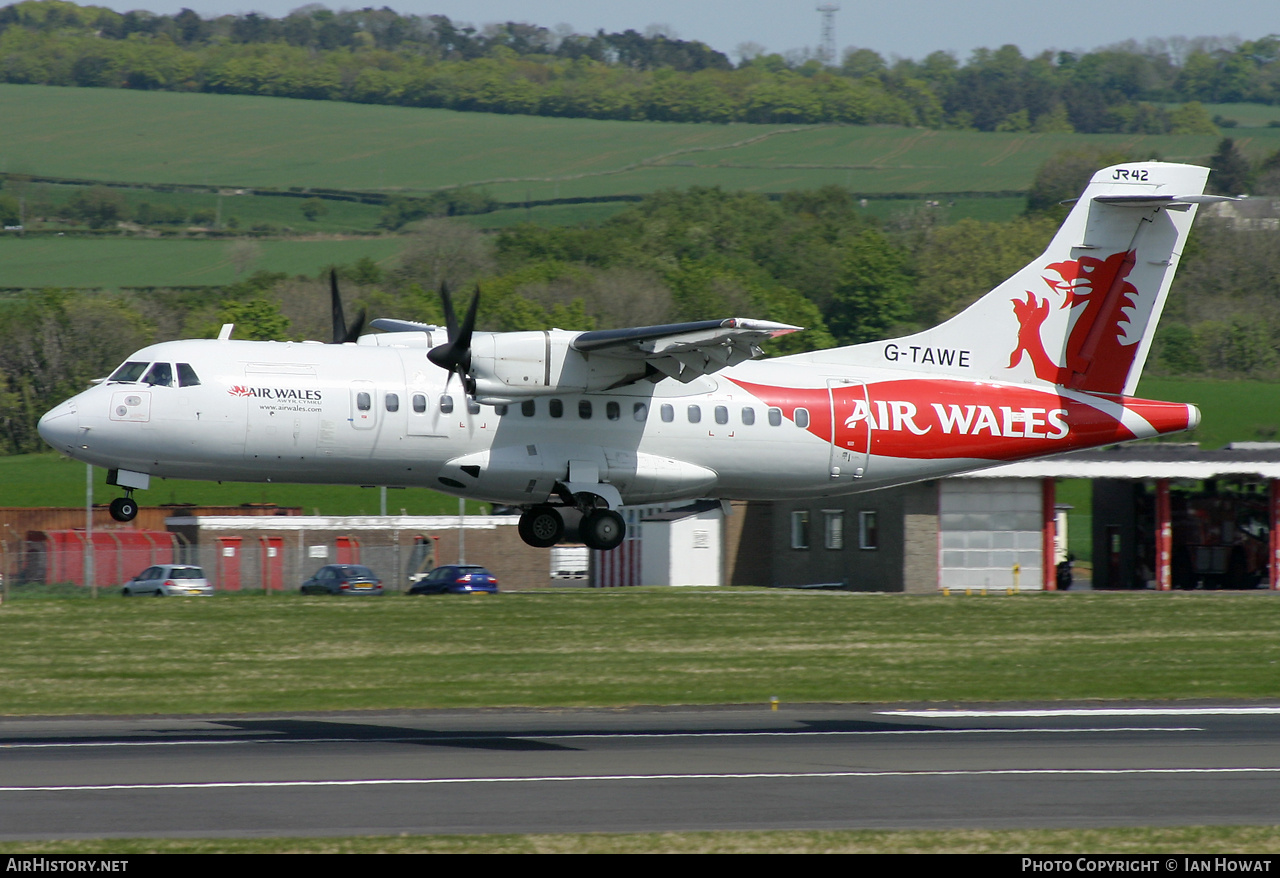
{"x": 1101, "y": 343}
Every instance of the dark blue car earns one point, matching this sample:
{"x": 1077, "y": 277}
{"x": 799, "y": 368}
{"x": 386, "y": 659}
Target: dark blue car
{"x": 458, "y": 579}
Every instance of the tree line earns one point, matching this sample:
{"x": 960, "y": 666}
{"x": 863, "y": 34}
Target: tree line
{"x": 379, "y": 56}
{"x": 811, "y": 258}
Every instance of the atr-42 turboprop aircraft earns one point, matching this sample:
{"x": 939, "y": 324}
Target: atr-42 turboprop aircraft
{"x": 572, "y": 425}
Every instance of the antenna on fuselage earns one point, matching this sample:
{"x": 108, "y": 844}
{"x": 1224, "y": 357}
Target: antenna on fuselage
{"x": 225, "y": 332}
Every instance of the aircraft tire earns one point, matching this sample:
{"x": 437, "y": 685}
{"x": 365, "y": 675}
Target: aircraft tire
{"x": 541, "y": 527}
{"x": 124, "y": 509}
{"x": 603, "y": 529}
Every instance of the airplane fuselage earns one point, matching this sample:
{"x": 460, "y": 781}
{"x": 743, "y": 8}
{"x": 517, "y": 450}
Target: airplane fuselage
{"x": 379, "y": 413}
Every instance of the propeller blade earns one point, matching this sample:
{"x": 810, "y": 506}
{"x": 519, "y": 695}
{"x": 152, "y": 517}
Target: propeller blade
{"x": 455, "y": 355}
{"x": 335, "y": 301}
{"x": 341, "y": 333}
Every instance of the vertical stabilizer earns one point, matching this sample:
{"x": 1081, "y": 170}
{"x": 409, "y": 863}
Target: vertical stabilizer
{"x": 1083, "y": 314}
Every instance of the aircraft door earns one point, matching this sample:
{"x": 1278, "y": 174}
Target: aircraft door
{"x": 850, "y": 429}
{"x": 364, "y": 412}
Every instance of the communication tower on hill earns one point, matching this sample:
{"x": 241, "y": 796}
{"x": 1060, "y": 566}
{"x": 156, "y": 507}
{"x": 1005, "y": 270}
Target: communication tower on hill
{"x": 827, "y": 46}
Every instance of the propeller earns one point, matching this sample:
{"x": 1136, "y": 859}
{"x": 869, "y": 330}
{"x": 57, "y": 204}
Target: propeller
{"x": 455, "y": 354}
{"x": 341, "y": 334}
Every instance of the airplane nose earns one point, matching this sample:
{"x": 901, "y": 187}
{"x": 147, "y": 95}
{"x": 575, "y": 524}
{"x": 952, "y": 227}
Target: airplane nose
{"x": 60, "y": 426}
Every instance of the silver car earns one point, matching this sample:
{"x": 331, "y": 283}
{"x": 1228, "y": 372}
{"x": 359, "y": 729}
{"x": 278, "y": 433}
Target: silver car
{"x": 167, "y": 580}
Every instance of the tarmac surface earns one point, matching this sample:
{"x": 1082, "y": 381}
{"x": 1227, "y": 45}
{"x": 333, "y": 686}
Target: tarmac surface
{"x": 650, "y": 769}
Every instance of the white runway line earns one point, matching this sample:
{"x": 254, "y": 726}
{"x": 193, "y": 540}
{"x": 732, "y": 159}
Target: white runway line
{"x": 1091, "y": 711}
{"x": 302, "y": 784}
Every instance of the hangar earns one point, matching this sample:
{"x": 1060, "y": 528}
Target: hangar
{"x": 1164, "y": 516}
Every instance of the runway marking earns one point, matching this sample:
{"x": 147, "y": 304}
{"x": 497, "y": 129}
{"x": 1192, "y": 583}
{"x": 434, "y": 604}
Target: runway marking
{"x": 200, "y": 742}
{"x": 1092, "y": 711}
{"x": 767, "y": 775}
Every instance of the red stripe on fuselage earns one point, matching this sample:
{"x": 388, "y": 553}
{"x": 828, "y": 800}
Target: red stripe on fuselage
{"x": 931, "y": 419}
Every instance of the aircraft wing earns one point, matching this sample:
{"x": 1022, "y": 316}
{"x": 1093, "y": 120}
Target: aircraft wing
{"x": 685, "y": 350}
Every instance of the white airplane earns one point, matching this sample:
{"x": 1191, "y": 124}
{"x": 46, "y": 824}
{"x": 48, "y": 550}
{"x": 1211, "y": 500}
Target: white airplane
{"x": 569, "y": 426}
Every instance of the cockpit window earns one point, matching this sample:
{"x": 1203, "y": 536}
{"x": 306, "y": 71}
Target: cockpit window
{"x": 187, "y": 376}
{"x": 128, "y": 373}
{"x": 161, "y": 375}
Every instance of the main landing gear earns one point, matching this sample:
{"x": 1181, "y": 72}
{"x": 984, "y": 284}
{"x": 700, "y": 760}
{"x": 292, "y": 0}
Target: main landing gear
{"x": 600, "y": 528}
{"x": 124, "y": 508}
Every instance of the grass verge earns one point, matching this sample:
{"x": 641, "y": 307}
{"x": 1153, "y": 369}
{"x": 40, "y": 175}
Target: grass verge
{"x": 1200, "y": 840}
{"x": 587, "y": 648}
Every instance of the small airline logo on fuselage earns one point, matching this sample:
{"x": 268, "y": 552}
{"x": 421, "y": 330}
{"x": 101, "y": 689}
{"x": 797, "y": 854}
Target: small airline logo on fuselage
{"x": 280, "y": 393}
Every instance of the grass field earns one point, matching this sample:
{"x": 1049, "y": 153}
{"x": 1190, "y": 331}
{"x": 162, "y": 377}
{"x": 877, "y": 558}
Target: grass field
{"x": 1231, "y": 411}
{"x": 164, "y": 137}
{"x": 1200, "y": 840}
{"x": 126, "y": 261}
{"x": 641, "y": 646}
{"x": 51, "y": 480}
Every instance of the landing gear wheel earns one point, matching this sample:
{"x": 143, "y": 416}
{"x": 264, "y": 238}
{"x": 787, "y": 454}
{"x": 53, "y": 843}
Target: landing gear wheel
{"x": 541, "y": 527}
{"x": 602, "y": 529}
{"x": 124, "y": 509}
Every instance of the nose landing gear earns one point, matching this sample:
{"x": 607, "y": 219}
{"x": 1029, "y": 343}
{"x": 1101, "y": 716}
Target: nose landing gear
{"x": 124, "y": 508}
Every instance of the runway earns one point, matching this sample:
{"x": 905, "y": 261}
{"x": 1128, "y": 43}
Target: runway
{"x": 508, "y": 771}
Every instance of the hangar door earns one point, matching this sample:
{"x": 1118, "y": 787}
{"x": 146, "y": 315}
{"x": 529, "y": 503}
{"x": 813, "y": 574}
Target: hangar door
{"x": 985, "y": 527}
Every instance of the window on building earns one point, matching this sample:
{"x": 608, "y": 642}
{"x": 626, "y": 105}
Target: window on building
{"x": 833, "y": 528}
{"x": 800, "y": 529}
{"x": 868, "y": 531}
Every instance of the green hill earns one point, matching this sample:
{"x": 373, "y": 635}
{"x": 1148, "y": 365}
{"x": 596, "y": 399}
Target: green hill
{"x": 203, "y": 139}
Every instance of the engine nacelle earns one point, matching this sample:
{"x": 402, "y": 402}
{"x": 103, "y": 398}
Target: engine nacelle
{"x": 511, "y": 366}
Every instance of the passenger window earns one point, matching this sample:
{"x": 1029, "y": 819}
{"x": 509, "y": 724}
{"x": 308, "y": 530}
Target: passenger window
{"x": 802, "y": 417}
{"x": 446, "y": 403}
{"x": 161, "y": 375}
{"x": 472, "y": 406}
{"x": 775, "y": 417}
{"x": 640, "y": 411}
{"x": 612, "y": 411}
{"x": 528, "y": 408}
{"x": 364, "y": 402}
{"x": 695, "y": 414}
{"x": 557, "y": 408}
{"x": 419, "y": 403}
{"x": 584, "y": 409}
{"x": 722, "y": 414}
{"x": 393, "y": 402}
{"x": 668, "y": 412}
{"x": 748, "y": 415}
{"x": 128, "y": 373}
{"x": 187, "y": 376}
{"x": 500, "y": 410}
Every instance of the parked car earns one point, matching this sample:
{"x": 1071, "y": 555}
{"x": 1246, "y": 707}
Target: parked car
{"x": 168, "y": 580}
{"x": 343, "y": 579}
{"x": 457, "y": 579}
